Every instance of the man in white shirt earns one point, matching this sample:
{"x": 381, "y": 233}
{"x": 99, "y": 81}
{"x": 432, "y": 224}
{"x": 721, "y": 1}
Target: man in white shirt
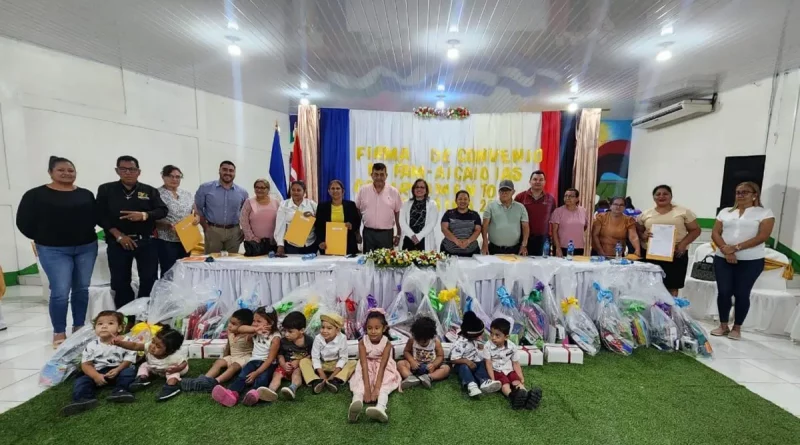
{"x": 328, "y": 366}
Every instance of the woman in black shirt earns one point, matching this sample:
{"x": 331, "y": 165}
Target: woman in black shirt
{"x": 60, "y": 218}
{"x": 461, "y": 228}
{"x": 341, "y": 210}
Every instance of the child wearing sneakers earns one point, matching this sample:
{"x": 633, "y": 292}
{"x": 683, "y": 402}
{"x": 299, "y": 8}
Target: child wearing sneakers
{"x": 424, "y": 356}
{"x": 502, "y": 365}
{"x": 467, "y": 358}
{"x": 258, "y": 370}
{"x": 102, "y": 363}
{"x": 237, "y": 354}
{"x": 294, "y": 347}
{"x": 328, "y": 366}
{"x": 163, "y": 359}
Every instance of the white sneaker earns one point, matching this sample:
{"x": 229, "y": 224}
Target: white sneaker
{"x": 473, "y": 390}
{"x": 490, "y": 386}
{"x": 377, "y": 413}
{"x": 410, "y": 381}
{"x": 425, "y": 380}
{"x": 354, "y": 411}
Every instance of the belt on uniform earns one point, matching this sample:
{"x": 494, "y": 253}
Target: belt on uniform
{"x": 138, "y": 237}
{"x": 223, "y": 226}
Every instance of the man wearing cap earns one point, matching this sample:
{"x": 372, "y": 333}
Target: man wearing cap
{"x": 540, "y": 206}
{"x": 328, "y": 367}
{"x": 505, "y": 224}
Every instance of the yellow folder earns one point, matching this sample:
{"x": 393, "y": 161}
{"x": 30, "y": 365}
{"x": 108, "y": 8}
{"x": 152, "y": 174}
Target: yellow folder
{"x": 188, "y": 233}
{"x": 336, "y": 238}
{"x": 299, "y": 229}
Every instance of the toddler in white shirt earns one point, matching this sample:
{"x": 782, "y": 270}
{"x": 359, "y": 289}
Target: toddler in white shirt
{"x": 328, "y": 367}
{"x": 502, "y": 365}
{"x": 164, "y": 359}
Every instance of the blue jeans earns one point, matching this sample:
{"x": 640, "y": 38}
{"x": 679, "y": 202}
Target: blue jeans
{"x": 468, "y": 376}
{"x": 735, "y": 280}
{"x": 84, "y": 388}
{"x": 120, "y": 262}
{"x": 168, "y": 254}
{"x": 263, "y": 379}
{"x": 69, "y": 269}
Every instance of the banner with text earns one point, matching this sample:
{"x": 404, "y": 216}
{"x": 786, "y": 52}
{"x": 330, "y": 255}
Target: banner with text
{"x": 473, "y": 154}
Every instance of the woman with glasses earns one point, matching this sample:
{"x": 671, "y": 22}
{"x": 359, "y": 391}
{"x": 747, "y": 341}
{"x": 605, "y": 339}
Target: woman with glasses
{"x": 259, "y": 215}
{"x": 686, "y": 231}
{"x": 739, "y": 233}
{"x": 418, "y": 218}
{"x": 614, "y": 227}
{"x": 569, "y": 223}
{"x": 180, "y": 204}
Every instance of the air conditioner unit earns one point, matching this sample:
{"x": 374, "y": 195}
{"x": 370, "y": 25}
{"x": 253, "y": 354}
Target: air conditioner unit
{"x": 677, "y": 112}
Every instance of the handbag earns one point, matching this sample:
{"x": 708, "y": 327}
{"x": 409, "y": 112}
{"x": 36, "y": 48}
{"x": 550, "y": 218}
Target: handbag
{"x": 702, "y": 270}
{"x": 257, "y": 248}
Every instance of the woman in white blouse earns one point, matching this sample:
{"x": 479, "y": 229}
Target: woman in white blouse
{"x": 739, "y": 233}
{"x": 418, "y": 218}
{"x": 180, "y": 204}
{"x": 286, "y": 211}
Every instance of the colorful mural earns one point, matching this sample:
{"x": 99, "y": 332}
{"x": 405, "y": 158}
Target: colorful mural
{"x": 612, "y": 158}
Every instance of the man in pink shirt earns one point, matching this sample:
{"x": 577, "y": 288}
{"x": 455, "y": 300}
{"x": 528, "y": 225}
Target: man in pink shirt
{"x": 379, "y": 204}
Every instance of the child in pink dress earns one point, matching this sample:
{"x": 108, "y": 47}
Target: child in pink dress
{"x": 376, "y": 372}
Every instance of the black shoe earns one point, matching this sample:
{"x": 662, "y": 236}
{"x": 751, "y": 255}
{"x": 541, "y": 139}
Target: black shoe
{"x": 517, "y": 398}
{"x": 121, "y": 396}
{"x": 168, "y": 392}
{"x": 200, "y": 384}
{"x": 534, "y": 398}
{"x": 79, "y": 407}
{"x": 139, "y": 384}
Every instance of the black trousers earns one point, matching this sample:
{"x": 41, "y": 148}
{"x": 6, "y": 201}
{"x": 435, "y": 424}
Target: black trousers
{"x": 377, "y": 239}
{"x": 576, "y": 252}
{"x": 120, "y": 262}
{"x": 168, "y": 254}
{"x": 735, "y": 280}
{"x": 503, "y": 250}
{"x": 535, "y": 245}
{"x": 409, "y": 245}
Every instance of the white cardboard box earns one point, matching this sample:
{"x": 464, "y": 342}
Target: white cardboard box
{"x": 207, "y": 348}
{"x": 530, "y": 356}
{"x": 556, "y": 353}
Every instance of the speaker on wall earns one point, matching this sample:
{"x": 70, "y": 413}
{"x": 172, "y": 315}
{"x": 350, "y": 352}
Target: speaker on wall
{"x": 739, "y": 169}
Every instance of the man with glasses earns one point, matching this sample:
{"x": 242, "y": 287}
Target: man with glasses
{"x": 219, "y": 204}
{"x": 380, "y": 205}
{"x": 128, "y": 210}
{"x": 540, "y": 207}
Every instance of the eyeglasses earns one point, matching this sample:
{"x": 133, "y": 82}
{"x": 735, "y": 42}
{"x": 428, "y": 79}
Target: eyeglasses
{"x": 743, "y": 192}
{"x": 127, "y": 169}
{"x": 569, "y": 196}
{"x": 261, "y": 187}
{"x": 617, "y": 205}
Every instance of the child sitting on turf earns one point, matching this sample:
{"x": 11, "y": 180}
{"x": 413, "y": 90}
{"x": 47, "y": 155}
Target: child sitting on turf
{"x": 376, "y": 373}
{"x": 295, "y": 346}
{"x": 502, "y": 365}
{"x": 237, "y": 354}
{"x": 467, "y": 359}
{"x": 328, "y": 366}
{"x": 258, "y": 370}
{"x": 163, "y": 359}
{"x": 102, "y": 363}
{"x": 424, "y": 356}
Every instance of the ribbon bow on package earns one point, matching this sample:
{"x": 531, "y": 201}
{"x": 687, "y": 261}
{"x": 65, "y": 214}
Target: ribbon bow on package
{"x": 508, "y": 310}
{"x": 693, "y": 337}
{"x": 451, "y": 315}
{"x": 284, "y": 308}
{"x": 537, "y": 325}
{"x": 436, "y": 304}
{"x": 615, "y": 331}
{"x": 580, "y": 327}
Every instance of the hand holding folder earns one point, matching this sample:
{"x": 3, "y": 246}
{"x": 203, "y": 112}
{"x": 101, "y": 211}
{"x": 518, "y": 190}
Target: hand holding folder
{"x": 336, "y": 238}
{"x": 188, "y": 232}
{"x": 299, "y": 229}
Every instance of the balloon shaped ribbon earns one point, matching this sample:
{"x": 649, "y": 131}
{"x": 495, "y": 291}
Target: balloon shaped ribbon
{"x": 603, "y": 294}
{"x": 446, "y": 295}
{"x": 284, "y": 307}
{"x": 410, "y": 298}
{"x": 681, "y": 302}
{"x": 371, "y": 302}
{"x": 350, "y": 304}
{"x": 310, "y": 309}
{"x": 569, "y": 303}
{"x": 506, "y": 300}
{"x": 633, "y": 307}
{"x": 435, "y": 303}
{"x": 468, "y": 304}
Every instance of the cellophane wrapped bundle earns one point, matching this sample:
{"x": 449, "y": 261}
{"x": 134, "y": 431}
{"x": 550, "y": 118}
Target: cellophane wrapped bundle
{"x": 214, "y": 315}
{"x": 663, "y": 331}
{"x": 366, "y": 299}
{"x": 580, "y": 327}
{"x": 346, "y": 304}
{"x": 633, "y": 312}
{"x": 615, "y": 331}
{"x": 693, "y": 337}
{"x": 507, "y": 308}
{"x": 429, "y": 305}
{"x": 471, "y": 305}
{"x": 450, "y": 275}
{"x": 399, "y": 314}
{"x": 250, "y": 299}
{"x": 537, "y": 327}
{"x": 204, "y": 294}
{"x": 325, "y": 303}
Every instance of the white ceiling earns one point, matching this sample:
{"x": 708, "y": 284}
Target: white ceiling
{"x": 390, "y": 54}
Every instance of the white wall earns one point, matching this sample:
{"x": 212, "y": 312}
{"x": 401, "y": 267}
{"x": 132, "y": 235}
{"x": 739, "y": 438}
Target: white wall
{"x": 55, "y": 104}
{"x": 690, "y": 156}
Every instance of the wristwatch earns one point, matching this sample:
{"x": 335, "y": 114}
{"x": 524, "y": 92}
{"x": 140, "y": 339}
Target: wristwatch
{"x": 119, "y": 238}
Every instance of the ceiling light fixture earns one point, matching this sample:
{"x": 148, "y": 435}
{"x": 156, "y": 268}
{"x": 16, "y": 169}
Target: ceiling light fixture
{"x": 304, "y": 100}
{"x": 452, "y": 52}
{"x": 667, "y": 30}
{"x": 454, "y": 27}
{"x": 665, "y": 53}
{"x": 573, "y": 106}
{"x": 304, "y": 85}
{"x": 233, "y": 25}
{"x": 233, "y": 48}
{"x": 574, "y": 88}
{"x": 440, "y": 87}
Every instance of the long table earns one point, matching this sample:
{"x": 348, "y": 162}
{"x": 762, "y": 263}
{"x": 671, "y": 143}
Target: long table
{"x": 278, "y": 276}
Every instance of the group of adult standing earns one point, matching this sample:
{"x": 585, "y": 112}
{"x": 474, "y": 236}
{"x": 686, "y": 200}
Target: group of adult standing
{"x": 138, "y": 222}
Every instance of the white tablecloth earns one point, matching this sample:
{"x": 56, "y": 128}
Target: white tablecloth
{"x": 278, "y": 276}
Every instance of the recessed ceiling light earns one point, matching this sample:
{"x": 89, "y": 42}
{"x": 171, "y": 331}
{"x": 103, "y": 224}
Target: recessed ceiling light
{"x": 452, "y": 52}
{"x": 667, "y": 30}
{"x": 454, "y": 28}
{"x": 440, "y": 87}
{"x": 573, "y": 106}
{"x": 234, "y": 50}
{"x": 573, "y": 88}
{"x": 440, "y": 105}
{"x": 304, "y": 85}
{"x": 664, "y": 55}
{"x": 304, "y": 101}
{"x": 233, "y": 25}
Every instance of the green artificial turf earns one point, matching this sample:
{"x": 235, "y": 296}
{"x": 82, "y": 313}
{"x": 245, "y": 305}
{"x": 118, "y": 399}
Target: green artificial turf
{"x": 649, "y": 398}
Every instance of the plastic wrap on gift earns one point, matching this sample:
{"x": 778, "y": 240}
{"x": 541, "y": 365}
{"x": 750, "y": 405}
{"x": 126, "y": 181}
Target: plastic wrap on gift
{"x": 663, "y": 331}
{"x": 580, "y": 327}
{"x": 346, "y": 305}
{"x": 203, "y": 294}
{"x": 615, "y": 330}
{"x": 67, "y": 357}
{"x": 507, "y": 309}
{"x": 400, "y": 310}
{"x": 365, "y": 296}
{"x": 450, "y": 275}
{"x": 633, "y": 310}
{"x": 544, "y": 274}
{"x": 429, "y": 305}
{"x": 693, "y": 337}
{"x": 471, "y": 305}
{"x": 251, "y": 298}
{"x": 537, "y": 325}
{"x": 206, "y": 324}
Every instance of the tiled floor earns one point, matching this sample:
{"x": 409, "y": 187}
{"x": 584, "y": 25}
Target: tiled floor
{"x": 768, "y": 366}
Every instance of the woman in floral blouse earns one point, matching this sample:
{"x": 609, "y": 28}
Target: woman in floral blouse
{"x": 180, "y": 204}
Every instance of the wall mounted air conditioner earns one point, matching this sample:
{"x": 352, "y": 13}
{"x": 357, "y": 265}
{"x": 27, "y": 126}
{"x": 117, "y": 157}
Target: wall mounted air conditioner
{"x": 677, "y": 112}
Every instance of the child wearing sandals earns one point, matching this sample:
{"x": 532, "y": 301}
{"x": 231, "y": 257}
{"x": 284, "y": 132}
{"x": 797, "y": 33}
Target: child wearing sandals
{"x": 502, "y": 365}
{"x": 376, "y": 373}
{"x": 467, "y": 358}
{"x": 163, "y": 359}
{"x": 237, "y": 354}
{"x": 294, "y": 347}
{"x": 424, "y": 356}
{"x": 329, "y": 367}
{"x": 259, "y": 369}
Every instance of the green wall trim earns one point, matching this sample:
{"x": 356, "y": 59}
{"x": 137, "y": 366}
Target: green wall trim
{"x": 706, "y": 223}
{"x": 12, "y": 278}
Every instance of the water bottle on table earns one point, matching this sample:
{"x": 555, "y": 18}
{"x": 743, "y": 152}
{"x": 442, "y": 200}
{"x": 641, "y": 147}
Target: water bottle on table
{"x": 570, "y": 250}
{"x": 546, "y": 248}
{"x": 309, "y": 256}
{"x": 618, "y": 251}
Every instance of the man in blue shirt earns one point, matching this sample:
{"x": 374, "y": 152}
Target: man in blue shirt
{"x": 219, "y": 204}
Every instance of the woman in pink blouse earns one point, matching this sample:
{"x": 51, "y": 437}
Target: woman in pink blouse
{"x": 569, "y": 223}
{"x": 259, "y": 214}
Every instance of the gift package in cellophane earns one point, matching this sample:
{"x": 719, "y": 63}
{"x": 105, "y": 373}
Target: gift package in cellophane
{"x": 580, "y": 327}
{"x": 471, "y": 305}
{"x": 346, "y": 304}
{"x": 529, "y": 291}
{"x": 326, "y": 303}
{"x": 633, "y": 311}
{"x": 365, "y": 296}
{"x": 693, "y": 337}
{"x": 212, "y": 316}
{"x": 663, "y": 331}
{"x": 206, "y": 295}
{"x": 507, "y": 309}
{"x": 251, "y": 298}
{"x": 429, "y": 305}
{"x": 399, "y": 314}
{"x": 615, "y": 330}
{"x": 450, "y": 275}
